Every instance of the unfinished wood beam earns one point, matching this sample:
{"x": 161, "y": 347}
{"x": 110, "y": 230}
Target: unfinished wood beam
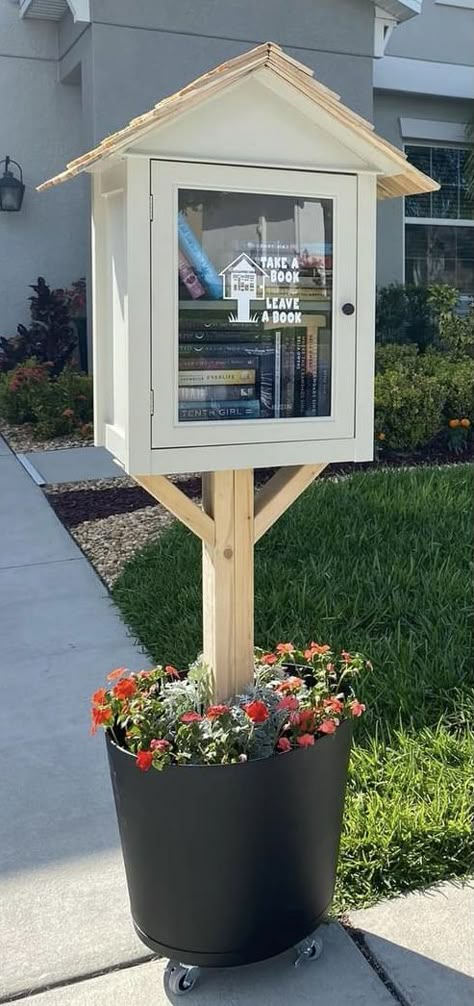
{"x": 280, "y": 492}
{"x": 227, "y": 586}
{"x": 174, "y": 500}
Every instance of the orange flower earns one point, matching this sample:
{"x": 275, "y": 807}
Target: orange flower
{"x": 346, "y": 656}
{"x": 68, "y": 413}
{"x": 171, "y": 671}
{"x": 328, "y": 726}
{"x": 291, "y": 684}
{"x": 125, "y": 689}
{"x": 116, "y": 674}
{"x": 268, "y": 658}
{"x": 380, "y": 436}
{"x": 316, "y": 648}
{"x": 357, "y": 708}
{"x": 99, "y": 696}
{"x": 333, "y": 705}
{"x": 305, "y": 741}
{"x": 466, "y": 423}
{"x": 100, "y": 717}
{"x": 454, "y": 423}
{"x": 285, "y": 648}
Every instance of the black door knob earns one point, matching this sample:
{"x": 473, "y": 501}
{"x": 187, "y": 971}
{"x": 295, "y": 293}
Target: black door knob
{"x": 348, "y": 309}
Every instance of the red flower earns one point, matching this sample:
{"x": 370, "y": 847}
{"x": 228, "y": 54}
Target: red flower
{"x": 268, "y": 658}
{"x": 328, "y": 726}
{"x": 171, "y": 671}
{"x": 290, "y": 684}
{"x": 357, "y": 708}
{"x": 190, "y": 717}
{"x": 99, "y": 718}
{"x": 98, "y": 697}
{"x": 214, "y": 712}
{"x": 285, "y": 648}
{"x": 305, "y": 741}
{"x": 144, "y": 760}
{"x": 288, "y": 702}
{"x": 284, "y": 744}
{"x": 125, "y": 689}
{"x": 333, "y": 705}
{"x": 115, "y": 675}
{"x": 256, "y": 711}
{"x": 161, "y": 746}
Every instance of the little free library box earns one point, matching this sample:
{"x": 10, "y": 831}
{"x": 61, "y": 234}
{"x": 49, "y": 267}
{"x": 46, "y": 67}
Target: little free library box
{"x": 233, "y": 272}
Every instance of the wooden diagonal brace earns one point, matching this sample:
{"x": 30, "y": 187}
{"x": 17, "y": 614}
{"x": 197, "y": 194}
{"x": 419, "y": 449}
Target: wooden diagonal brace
{"x": 174, "y": 500}
{"x": 280, "y": 492}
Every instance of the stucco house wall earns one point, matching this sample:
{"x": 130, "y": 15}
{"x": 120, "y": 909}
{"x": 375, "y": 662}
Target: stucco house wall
{"x": 40, "y": 127}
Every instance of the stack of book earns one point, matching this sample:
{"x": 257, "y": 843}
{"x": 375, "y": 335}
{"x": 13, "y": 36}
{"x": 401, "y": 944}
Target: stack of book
{"x": 251, "y": 373}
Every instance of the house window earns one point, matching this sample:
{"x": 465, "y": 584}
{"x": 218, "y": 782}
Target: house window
{"x": 439, "y": 226}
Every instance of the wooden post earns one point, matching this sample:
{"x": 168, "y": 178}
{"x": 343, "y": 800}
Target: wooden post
{"x": 227, "y": 586}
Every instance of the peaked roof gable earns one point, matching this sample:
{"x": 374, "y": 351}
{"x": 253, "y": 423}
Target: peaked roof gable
{"x": 402, "y": 179}
{"x": 243, "y": 263}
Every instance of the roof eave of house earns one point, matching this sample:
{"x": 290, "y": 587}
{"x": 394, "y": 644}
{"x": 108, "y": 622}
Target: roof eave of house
{"x": 402, "y": 10}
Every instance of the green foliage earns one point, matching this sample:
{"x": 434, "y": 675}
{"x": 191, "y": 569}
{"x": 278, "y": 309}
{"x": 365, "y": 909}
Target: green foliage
{"x": 456, "y": 332}
{"x": 381, "y": 559}
{"x": 408, "y": 407}
{"x": 391, "y": 356}
{"x": 54, "y": 405}
{"x": 404, "y": 315}
{"x": 51, "y": 337}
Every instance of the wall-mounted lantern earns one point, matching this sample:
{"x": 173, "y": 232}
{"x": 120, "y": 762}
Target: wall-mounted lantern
{"x": 12, "y": 188}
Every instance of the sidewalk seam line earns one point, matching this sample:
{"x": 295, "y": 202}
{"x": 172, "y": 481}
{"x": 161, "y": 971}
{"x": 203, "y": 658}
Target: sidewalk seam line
{"x": 63, "y": 983}
{"x": 45, "y": 562}
{"x": 358, "y": 937}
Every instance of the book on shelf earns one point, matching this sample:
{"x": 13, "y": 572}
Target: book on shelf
{"x": 189, "y": 278}
{"x": 311, "y": 379}
{"x": 203, "y": 333}
{"x": 324, "y": 373}
{"x": 220, "y": 392}
{"x": 188, "y": 354}
{"x": 197, "y": 258}
{"x": 190, "y": 411}
{"x": 215, "y": 377}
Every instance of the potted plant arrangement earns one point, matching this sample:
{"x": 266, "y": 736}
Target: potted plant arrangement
{"x": 230, "y": 814}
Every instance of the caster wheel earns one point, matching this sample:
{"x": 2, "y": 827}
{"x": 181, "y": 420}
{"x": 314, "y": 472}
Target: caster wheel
{"x": 180, "y": 979}
{"x": 310, "y": 950}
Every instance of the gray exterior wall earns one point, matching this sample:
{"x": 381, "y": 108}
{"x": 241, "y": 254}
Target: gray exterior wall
{"x": 40, "y": 127}
{"x": 388, "y": 109}
{"x": 441, "y": 34}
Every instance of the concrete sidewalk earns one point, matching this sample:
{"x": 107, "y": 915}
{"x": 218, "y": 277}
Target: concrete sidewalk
{"x": 64, "y": 906}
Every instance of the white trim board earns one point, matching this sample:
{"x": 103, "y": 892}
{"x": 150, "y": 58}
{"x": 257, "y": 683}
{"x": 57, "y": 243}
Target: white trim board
{"x": 466, "y": 4}
{"x": 427, "y": 129}
{"x": 419, "y": 76}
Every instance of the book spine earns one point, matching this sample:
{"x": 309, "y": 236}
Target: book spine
{"x": 189, "y": 278}
{"x": 221, "y": 392}
{"x": 287, "y": 374}
{"x": 277, "y": 377}
{"x": 324, "y": 373}
{"x": 217, "y": 350}
{"x": 216, "y": 363}
{"x": 220, "y": 410}
{"x": 188, "y": 337}
{"x": 311, "y": 376}
{"x": 215, "y": 377}
{"x": 299, "y": 372}
{"x": 198, "y": 259}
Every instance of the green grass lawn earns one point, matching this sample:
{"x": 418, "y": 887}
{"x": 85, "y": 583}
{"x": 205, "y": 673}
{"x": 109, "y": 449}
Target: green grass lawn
{"x": 378, "y": 562}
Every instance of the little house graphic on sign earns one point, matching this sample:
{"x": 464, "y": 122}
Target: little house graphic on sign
{"x": 243, "y": 280}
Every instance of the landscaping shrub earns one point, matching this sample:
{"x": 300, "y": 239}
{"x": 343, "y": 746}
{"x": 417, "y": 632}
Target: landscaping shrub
{"x": 404, "y": 314}
{"x": 51, "y": 337}
{"x": 456, "y": 332}
{"x": 54, "y": 405}
{"x": 408, "y": 408}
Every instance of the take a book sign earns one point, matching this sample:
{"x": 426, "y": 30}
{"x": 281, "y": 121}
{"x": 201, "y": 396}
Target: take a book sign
{"x": 244, "y": 281}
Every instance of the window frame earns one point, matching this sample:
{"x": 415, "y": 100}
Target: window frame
{"x": 431, "y": 221}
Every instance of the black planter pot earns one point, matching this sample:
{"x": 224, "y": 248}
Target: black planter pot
{"x": 228, "y": 865}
